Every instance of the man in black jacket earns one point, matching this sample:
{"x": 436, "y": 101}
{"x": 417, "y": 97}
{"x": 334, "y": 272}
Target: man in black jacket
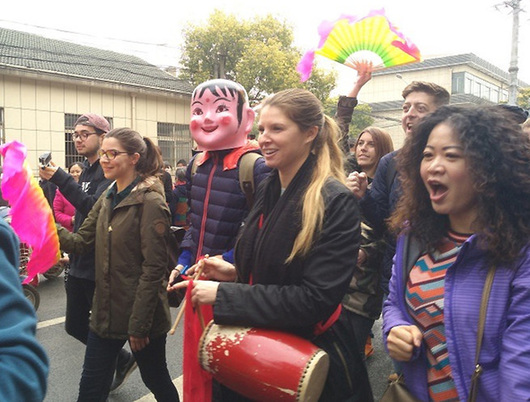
{"x": 80, "y": 284}
{"x": 377, "y": 203}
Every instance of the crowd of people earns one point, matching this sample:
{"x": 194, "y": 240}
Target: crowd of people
{"x": 309, "y": 230}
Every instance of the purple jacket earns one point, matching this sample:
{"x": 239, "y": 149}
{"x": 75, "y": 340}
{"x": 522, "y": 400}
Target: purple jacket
{"x": 505, "y": 354}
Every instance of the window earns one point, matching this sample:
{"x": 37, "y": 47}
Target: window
{"x": 466, "y": 83}
{"x": 71, "y": 154}
{"x": 458, "y": 83}
{"x": 174, "y": 141}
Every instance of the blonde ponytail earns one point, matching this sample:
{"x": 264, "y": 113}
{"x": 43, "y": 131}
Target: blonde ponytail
{"x": 329, "y": 164}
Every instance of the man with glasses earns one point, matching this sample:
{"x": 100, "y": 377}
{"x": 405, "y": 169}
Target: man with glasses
{"x": 89, "y": 130}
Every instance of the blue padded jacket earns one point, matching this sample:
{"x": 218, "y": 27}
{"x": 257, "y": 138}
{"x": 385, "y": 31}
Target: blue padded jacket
{"x": 217, "y": 204}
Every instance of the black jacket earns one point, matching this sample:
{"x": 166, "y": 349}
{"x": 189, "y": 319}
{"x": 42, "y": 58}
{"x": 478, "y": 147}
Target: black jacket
{"x": 296, "y": 296}
{"x": 83, "y": 196}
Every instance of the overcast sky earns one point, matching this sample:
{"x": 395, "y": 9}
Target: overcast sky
{"x": 437, "y": 27}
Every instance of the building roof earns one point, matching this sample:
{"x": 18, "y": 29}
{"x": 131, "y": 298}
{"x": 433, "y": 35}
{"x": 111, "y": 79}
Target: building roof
{"x": 456, "y": 99}
{"x": 451, "y": 61}
{"x": 29, "y": 52}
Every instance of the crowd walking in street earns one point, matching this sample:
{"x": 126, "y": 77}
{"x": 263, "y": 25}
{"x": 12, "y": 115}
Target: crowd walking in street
{"x": 309, "y": 231}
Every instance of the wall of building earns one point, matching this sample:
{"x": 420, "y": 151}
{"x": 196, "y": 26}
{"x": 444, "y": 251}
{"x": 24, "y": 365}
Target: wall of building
{"x": 388, "y": 87}
{"x": 34, "y": 111}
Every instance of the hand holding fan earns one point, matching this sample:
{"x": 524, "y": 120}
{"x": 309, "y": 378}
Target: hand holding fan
{"x": 357, "y": 41}
{"x": 31, "y": 216}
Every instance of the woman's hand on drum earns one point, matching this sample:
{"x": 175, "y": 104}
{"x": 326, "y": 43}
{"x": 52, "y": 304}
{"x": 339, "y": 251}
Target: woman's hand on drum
{"x": 204, "y": 292}
{"x": 401, "y": 341}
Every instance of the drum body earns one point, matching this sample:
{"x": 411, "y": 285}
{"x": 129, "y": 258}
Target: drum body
{"x": 262, "y": 364}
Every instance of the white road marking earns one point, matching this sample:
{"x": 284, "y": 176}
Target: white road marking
{"x": 150, "y": 398}
{"x": 49, "y": 323}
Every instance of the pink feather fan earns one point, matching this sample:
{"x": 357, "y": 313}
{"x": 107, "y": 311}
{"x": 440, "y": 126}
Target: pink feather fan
{"x": 355, "y": 42}
{"x": 31, "y": 215}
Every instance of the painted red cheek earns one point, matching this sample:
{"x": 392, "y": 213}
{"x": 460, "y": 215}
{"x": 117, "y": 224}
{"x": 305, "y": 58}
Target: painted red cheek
{"x": 226, "y": 120}
{"x": 194, "y": 124}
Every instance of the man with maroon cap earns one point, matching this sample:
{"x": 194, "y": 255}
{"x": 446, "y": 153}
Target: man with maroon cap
{"x": 80, "y": 282}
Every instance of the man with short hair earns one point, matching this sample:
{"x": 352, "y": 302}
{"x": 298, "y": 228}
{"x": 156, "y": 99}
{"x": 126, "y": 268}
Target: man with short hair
{"x": 378, "y": 203}
{"x": 89, "y": 130}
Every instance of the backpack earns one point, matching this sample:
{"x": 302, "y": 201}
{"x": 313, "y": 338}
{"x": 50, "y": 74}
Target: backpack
{"x": 246, "y": 174}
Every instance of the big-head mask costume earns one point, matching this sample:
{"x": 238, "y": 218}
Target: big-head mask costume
{"x": 221, "y": 117}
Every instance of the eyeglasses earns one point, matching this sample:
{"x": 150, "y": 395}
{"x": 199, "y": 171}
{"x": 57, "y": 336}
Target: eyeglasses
{"x": 111, "y": 154}
{"x": 83, "y": 135}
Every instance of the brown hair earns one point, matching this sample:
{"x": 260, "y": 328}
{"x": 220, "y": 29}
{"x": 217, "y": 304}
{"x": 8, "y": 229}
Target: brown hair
{"x": 150, "y": 162}
{"x": 382, "y": 141}
{"x": 440, "y": 94}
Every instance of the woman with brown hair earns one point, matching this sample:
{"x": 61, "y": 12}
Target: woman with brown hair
{"x": 371, "y": 145}
{"x": 129, "y": 228}
{"x": 364, "y": 300}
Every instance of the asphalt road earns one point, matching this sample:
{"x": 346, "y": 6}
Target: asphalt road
{"x": 66, "y": 354}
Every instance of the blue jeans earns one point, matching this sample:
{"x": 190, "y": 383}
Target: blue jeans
{"x": 100, "y": 363}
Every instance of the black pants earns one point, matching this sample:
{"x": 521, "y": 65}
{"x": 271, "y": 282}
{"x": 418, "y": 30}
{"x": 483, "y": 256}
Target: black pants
{"x": 347, "y": 378}
{"x": 361, "y": 327}
{"x": 98, "y": 369}
{"x": 79, "y": 294}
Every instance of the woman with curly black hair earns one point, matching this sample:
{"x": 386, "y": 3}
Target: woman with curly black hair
{"x": 465, "y": 208}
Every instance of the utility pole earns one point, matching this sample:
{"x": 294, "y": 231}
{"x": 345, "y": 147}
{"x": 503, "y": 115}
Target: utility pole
{"x": 513, "y": 70}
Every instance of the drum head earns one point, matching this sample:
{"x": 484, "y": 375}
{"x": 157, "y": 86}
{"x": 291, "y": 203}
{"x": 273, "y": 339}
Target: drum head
{"x": 312, "y": 383}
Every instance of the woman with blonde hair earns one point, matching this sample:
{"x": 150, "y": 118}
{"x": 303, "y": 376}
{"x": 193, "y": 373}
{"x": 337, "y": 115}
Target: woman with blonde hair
{"x": 293, "y": 257}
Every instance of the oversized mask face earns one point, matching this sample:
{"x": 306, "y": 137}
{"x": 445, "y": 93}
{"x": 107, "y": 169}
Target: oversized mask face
{"x": 221, "y": 117}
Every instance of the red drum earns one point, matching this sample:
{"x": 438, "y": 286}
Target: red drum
{"x": 263, "y": 364}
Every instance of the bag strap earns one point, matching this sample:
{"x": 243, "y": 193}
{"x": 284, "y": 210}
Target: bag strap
{"x": 246, "y": 175}
{"x": 194, "y": 164}
{"x": 473, "y": 391}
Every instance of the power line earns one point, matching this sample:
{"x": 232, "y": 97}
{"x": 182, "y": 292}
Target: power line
{"x": 164, "y": 45}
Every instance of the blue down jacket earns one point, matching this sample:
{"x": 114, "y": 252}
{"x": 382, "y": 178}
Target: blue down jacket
{"x": 217, "y": 204}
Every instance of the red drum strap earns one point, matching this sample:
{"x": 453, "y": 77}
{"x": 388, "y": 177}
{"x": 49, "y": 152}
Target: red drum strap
{"x": 323, "y": 326}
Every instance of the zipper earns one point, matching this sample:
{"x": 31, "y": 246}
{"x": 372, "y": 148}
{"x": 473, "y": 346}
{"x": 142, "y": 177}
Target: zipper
{"x": 109, "y": 230}
{"x": 205, "y": 207}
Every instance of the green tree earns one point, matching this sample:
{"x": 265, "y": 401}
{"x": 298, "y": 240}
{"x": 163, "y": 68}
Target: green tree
{"x": 523, "y": 99}
{"x": 362, "y": 116}
{"x": 257, "y": 53}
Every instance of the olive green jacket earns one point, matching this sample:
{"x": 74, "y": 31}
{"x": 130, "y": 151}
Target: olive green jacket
{"x": 131, "y": 261}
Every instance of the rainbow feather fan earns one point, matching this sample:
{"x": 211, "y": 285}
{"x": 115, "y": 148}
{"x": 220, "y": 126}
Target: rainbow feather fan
{"x": 31, "y": 215}
{"x": 356, "y": 41}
